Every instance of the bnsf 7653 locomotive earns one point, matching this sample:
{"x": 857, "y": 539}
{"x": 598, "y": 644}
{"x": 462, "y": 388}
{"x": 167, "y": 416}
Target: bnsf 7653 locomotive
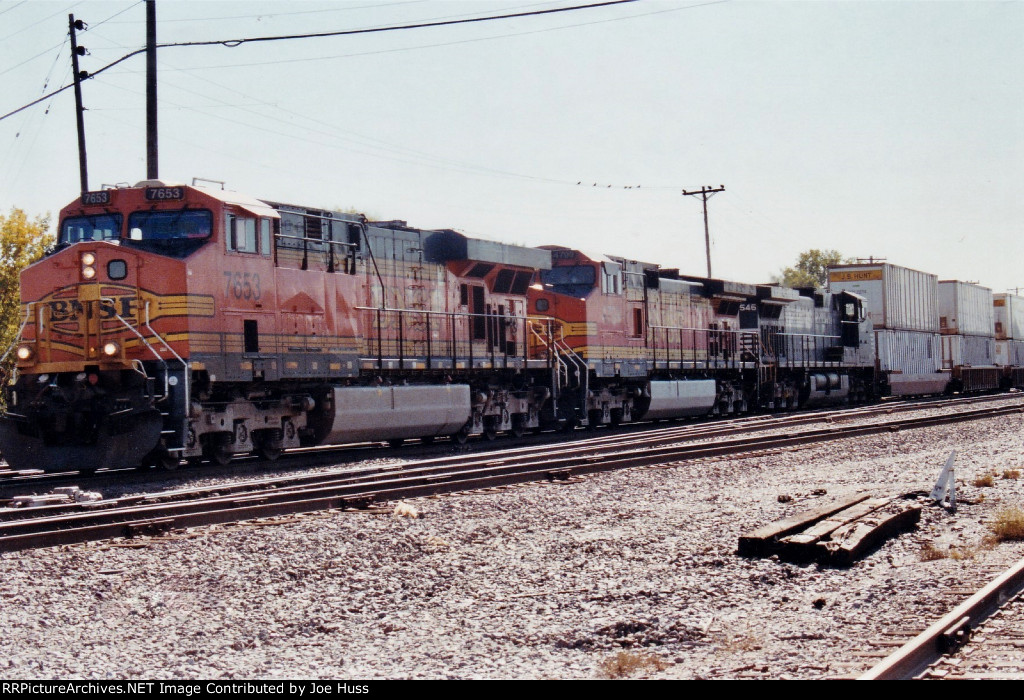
{"x": 175, "y": 322}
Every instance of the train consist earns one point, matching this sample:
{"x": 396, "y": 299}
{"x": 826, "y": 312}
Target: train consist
{"x": 176, "y": 322}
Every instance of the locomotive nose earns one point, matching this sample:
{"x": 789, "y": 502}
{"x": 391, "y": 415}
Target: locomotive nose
{"x": 89, "y": 317}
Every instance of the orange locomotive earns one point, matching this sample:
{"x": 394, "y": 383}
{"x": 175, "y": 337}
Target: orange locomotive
{"x": 176, "y": 322}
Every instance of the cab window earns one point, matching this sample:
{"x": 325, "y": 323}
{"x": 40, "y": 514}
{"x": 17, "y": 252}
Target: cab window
{"x": 246, "y": 235}
{"x": 98, "y": 227}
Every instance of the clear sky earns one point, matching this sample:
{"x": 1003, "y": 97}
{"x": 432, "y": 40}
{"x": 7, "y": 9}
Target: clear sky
{"x": 887, "y": 129}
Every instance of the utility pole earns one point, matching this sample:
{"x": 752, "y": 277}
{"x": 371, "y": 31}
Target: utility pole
{"x": 706, "y": 193}
{"x": 76, "y": 51}
{"x": 152, "y": 160}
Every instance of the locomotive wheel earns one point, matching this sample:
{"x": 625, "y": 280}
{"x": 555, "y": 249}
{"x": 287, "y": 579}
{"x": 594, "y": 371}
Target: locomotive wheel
{"x": 615, "y": 417}
{"x": 461, "y": 437}
{"x": 518, "y": 429}
{"x": 490, "y": 432}
{"x": 161, "y": 459}
{"x": 166, "y": 461}
{"x": 269, "y": 444}
{"x": 269, "y": 453}
{"x": 218, "y": 450}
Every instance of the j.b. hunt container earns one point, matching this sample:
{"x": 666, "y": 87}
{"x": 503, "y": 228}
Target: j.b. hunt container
{"x": 898, "y": 298}
{"x": 903, "y": 305}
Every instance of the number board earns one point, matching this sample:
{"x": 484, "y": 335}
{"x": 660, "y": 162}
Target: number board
{"x": 161, "y": 194}
{"x": 100, "y": 197}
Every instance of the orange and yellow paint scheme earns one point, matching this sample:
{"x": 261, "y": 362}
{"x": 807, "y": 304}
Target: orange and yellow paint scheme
{"x": 181, "y": 322}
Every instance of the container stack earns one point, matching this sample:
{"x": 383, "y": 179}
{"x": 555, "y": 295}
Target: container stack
{"x": 1009, "y": 332}
{"x": 966, "y": 321}
{"x": 904, "y": 308}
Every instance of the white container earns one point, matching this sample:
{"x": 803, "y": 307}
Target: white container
{"x": 898, "y": 298}
{"x": 1010, "y": 353}
{"x": 908, "y": 352}
{"x": 911, "y": 361}
{"x": 1009, "y": 316}
{"x": 967, "y": 351}
{"x": 965, "y": 308}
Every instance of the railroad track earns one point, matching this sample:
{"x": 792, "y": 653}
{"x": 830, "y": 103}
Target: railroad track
{"x": 158, "y": 513}
{"x": 35, "y": 481}
{"x": 983, "y": 637}
{"x": 580, "y": 445}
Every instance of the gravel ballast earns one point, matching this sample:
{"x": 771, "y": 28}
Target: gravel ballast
{"x": 536, "y": 581}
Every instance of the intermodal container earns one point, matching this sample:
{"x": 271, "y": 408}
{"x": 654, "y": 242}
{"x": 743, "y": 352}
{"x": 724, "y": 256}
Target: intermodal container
{"x": 965, "y": 308}
{"x": 898, "y": 298}
{"x": 1009, "y": 316}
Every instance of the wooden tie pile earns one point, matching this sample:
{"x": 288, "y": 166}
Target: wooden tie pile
{"x": 836, "y": 534}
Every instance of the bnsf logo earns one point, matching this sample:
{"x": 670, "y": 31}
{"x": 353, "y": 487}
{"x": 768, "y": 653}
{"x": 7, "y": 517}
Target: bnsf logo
{"x": 72, "y": 309}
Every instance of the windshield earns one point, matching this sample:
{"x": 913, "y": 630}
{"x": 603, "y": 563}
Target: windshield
{"x": 575, "y": 280}
{"x": 177, "y": 233}
{"x": 163, "y": 225}
{"x": 99, "y": 227}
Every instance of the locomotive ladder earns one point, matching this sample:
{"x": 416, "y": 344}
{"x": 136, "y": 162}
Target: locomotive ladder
{"x": 561, "y": 356}
{"x": 767, "y": 369}
{"x": 186, "y": 379}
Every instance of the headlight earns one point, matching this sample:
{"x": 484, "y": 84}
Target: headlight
{"x": 88, "y": 259}
{"x": 88, "y": 272}
{"x": 24, "y": 352}
{"x": 110, "y": 349}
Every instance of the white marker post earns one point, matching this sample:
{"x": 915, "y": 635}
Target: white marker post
{"x": 945, "y": 487}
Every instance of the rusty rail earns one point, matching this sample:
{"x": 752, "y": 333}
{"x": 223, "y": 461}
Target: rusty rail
{"x": 950, "y": 632}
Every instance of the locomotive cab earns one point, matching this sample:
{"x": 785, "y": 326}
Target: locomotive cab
{"x": 110, "y": 320}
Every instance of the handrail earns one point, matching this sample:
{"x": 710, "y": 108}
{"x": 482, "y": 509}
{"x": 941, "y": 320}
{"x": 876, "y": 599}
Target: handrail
{"x": 119, "y": 317}
{"x": 582, "y": 366}
{"x": 307, "y": 239}
{"x": 184, "y": 364}
{"x": 561, "y": 368}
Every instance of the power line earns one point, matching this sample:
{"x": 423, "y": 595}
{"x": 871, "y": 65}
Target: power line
{"x": 281, "y": 14}
{"x": 13, "y": 7}
{"x": 61, "y": 45}
{"x": 40, "y": 21}
{"x": 458, "y": 42}
{"x": 231, "y": 43}
{"x": 102, "y": 22}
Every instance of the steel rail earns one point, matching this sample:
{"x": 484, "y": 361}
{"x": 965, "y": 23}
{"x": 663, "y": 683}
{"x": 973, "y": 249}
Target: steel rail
{"x": 691, "y": 431}
{"x": 951, "y": 631}
{"x": 647, "y": 440}
{"x": 418, "y": 482}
